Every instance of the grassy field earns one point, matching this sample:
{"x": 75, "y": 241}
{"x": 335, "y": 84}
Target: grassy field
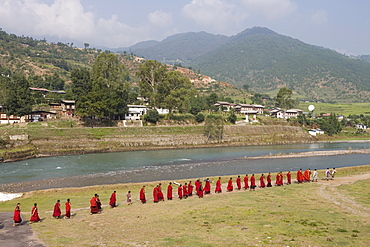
{"x": 343, "y": 109}
{"x": 293, "y": 215}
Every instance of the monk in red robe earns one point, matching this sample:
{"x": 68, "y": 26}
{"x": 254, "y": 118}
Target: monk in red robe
{"x": 230, "y": 185}
{"x": 218, "y": 186}
{"x": 253, "y": 183}
{"x": 169, "y": 191}
{"x": 238, "y": 183}
{"x": 299, "y": 176}
{"x": 57, "y": 212}
{"x": 197, "y": 184}
{"x": 207, "y": 187}
{"x": 190, "y": 189}
{"x": 246, "y": 186}
{"x": 68, "y": 209}
{"x": 185, "y": 190}
{"x": 269, "y": 180}
{"x": 34, "y": 214}
{"x": 155, "y": 194}
{"x": 262, "y": 181}
{"x": 113, "y": 199}
{"x": 179, "y": 191}
{"x": 94, "y": 209}
{"x": 200, "y": 190}
{"x": 142, "y": 195}
{"x": 17, "y": 215}
{"x": 278, "y": 182}
{"x": 289, "y": 177}
{"x": 160, "y": 193}
{"x": 307, "y": 175}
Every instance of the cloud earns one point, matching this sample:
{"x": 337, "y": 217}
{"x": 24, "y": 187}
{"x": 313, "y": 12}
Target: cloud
{"x": 319, "y": 17}
{"x": 160, "y": 18}
{"x": 272, "y": 9}
{"x": 216, "y": 14}
{"x": 68, "y": 20}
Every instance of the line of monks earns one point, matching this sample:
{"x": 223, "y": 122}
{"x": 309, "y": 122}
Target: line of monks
{"x": 57, "y": 213}
{"x": 183, "y": 191}
{"x": 188, "y": 189}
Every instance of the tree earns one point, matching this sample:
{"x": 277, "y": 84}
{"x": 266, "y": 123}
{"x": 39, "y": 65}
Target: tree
{"x": 151, "y": 74}
{"x": 331, "y": 125}
{"x": 284, "y": 98}
{"x": 211, "y": 100}
{"x": 152, "y": 116}
{"x": 81, "y": 82}
{"x": 109, "y": 92}
{"x": 214, "y": 127}
{"x": 17, "y": 100}
{"x": 232, "y": 117}
{"x": 86, "y": 45}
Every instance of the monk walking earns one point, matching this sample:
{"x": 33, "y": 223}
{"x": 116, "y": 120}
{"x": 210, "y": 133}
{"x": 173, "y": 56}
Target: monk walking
{"x": 155, "y": 194}
{"x": 185, "y": 190}
{"x": 112, "y": 200}
{"x": 299, "y": 176}
{"x": 57, "y": 212}
{"x": 289, "y": 177}
{"x": 169, "y": 191}
{"x": 246, "y": 186}
{"x": 94, "y": 205}
{"x": 207, "y": 187}
{"x": 179, "y": 191}
{"x": 238, "y": 183}
{"x": 218, "y": 186}
{"x": 190, "y": 189}
{"x": 253, "y": 183}
{"x": 269, "y": 180}
{"x": 230, "y": 185}
{"x": 262, "y": 181}
{"x": 200, "y": 190}
{"x": 160, "y": 193}
{"x": 68, "y": 210}
{"x": 307, "y": 175}
{"x": 17, "y": 215}
{"x": 34, "y": 214}
{"x": 142, "y": 195}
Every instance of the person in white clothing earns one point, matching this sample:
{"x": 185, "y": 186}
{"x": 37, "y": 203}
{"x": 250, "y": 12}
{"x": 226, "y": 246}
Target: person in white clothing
{"x": 327, "y": 174}
{"x": 314, "y": 176}
{"x": 333, "y": 173}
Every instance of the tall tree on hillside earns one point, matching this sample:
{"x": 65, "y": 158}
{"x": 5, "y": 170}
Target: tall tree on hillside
{"x": 81, "y": 83}
{"x": 109, "y": 91}
{"x": 284, "y": 98}
{"x": 151, "y": 74}
{"x": 331, "y": 125}
{"x": 17, "y": 100}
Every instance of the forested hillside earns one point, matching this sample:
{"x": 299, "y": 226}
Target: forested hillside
{"x": 265, "y": 61}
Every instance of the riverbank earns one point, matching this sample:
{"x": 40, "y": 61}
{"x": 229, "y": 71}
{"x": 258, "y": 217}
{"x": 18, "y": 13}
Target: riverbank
{"x": 290, "y": 215}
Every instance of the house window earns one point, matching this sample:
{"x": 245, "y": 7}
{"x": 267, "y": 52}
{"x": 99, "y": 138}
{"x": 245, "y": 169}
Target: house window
{"x": 3, "y": 115}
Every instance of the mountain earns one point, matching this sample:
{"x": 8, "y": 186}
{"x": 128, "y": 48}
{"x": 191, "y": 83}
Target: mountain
{"x": 266, "y": 61}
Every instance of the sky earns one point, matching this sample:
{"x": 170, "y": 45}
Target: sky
{"x": 341, "y": 25}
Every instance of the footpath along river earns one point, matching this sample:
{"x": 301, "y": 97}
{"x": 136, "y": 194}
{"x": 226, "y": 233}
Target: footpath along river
{"x": 145, "y": 166}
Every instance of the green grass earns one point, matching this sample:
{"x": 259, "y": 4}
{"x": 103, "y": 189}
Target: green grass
{"x": 291, "y": 215}
{"x": 343, "y": 109}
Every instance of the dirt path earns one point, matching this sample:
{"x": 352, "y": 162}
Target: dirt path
{"x": 18, "y": 236}
{"x": 329, "y": 191}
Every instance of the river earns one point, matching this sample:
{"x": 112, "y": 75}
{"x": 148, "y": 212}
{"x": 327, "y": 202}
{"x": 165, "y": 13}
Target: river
{"x": 144, "y": 166}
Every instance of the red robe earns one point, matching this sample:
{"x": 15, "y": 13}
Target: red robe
{"x": 278, "y": 182}
{"x": 179, "y": 192}
{"x": 218, "y": 186}
{"x": 200, "y": 190}
{"x": 246, "y": 186}
{"x": 238, "y": 183}
{"x": 190, "y": 189}
{"x": 169, "y": 192}
{"x": 112, "y": 200}
{"x": 253, "y": 182}
{"x": 289, "y": 177}
{"x": 94, "y": 209}
{"x": 17, "y": 215}
{"x": 185, "y": 190}
{"x": 34, "y": 215}
{"x": 230, "y": 185}
{"x": 207, "y": 187}
{"x": 68, "y": 210}
{"x": 262, "y": 182}
{"x": 155, "y": 194}
{"x": 142, "y": 195}
{"x": 299, "y": 176}
{"x": 269, "y": 181}
{"x": 197, "y": 184}
{"x": 307, "y": 175}
{"x": 57, "y": 211}
{"x": 160, "y": 194}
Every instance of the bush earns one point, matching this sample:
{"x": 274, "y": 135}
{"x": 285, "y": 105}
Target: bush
{"x": 199, "y": 117}
{"x": 152, "y": 116}
{"x": 182, "y": 117}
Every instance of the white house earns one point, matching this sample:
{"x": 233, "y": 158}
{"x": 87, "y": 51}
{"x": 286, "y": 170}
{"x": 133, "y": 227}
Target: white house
{"x": 315, "y": 132}
{"x": 279, "y": 113}
{"x": 135, "y": 112}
